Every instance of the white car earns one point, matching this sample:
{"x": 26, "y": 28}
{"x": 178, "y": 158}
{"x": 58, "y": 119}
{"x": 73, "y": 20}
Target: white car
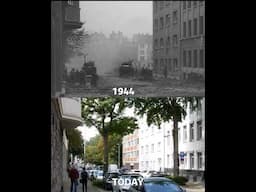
{"x": 99, "y": 175}
{"x": 117, "y": 187}
{"x": 147, "y": 174}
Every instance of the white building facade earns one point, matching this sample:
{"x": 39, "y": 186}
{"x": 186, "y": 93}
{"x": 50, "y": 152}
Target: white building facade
{"x": 156, "y": 145}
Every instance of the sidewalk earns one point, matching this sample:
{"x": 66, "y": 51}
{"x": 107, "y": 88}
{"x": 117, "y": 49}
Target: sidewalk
{"x": 90, "y": 187}
{"x": 194, "y": 187}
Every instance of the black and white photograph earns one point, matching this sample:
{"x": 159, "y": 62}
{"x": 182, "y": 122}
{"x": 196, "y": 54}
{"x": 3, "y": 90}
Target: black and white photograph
{"x": 133, "y": 48}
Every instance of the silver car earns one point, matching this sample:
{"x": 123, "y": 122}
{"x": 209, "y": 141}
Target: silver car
{"x": 126, "y": 186}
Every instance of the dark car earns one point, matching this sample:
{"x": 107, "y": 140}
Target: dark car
{"x": 126, "y": 69}
{"x": 157, "y": 184}
{"x": 108, "y": 182}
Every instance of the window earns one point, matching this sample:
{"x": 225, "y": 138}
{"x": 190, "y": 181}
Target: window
{"x": 161, "y": 43}
{"x": 184, "y": 58}
{"x": 167, "y": 20}
{"x": 142, "y": 46}
{"x": 168, "y": 138}
{"x": 201, "y": 25}
{"x": 189, "y": 28}
{"x": 159, "y": 146}
{"x": 156, "y": 25}
{"x": 189, "y": 4}
{"x": 152, "y": 148}
{"x": 175, "y": 40}
{"x": 175, "y": 64}
{"x": 195, "y": 26}
{"x": 142, "y": 150}
{"x": 178, "y": 134}
{"x": 189, "y": 58}
{"x": 168, "y": 161}
{"x": 161, "y": 5}
{"x": 174, "y": 17}
{"x": 141, "y": 52}
{"x": 161, "y": 23}
{"x": 195, "y": 58}
{"x": 146, "y": 149}
{"x": 199, "y": 130}
{"x": 184, "y": 4}
{"x": 201, "y": 2}
{"x": 156, "y": 44}
{"x": 184, "y": 29}
{"x": 191, "y": 131}
{"x": 199, "y": 160}
{"x": 185, "y": 133}
{"x": 201, "y": 58}
{"x": 71, "y": 2}
{"x": 169, "y": 68}
{"x": 191, "y": 160}
{"x": 195, "y": 3}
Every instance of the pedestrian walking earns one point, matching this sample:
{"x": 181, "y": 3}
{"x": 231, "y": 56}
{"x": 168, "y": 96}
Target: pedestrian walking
{"x": 84, "y": 179}
{"x": 73, "y": 175}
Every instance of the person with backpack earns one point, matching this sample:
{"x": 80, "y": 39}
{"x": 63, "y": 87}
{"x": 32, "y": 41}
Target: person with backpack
{"x": 73, "y": 175}
{"x": 84, "y": 179}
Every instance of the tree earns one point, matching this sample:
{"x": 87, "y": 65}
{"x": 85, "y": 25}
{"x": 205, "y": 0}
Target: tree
{"x": 94, "y": 150}
{"x": 106, "y": 114}
{"x": 159, "y": 110}
{"x": 75, "y": 142}
{"x": 75, "y": 42}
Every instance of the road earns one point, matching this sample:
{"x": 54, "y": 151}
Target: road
{"x": 91, "y": 188}
{"x": 154, "y": 88}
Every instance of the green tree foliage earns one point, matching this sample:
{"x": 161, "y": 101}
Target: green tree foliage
{"x": 75, "y": 142}
{"x": 106, "y": 114}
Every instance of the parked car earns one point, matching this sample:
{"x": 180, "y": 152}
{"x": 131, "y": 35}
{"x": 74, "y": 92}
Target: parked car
{"x": 126, "y": 187}
{"x": 147, "y": 174}
{"x": 99, "y": 175}
{"x": 157, "y": 184}
{"x": 108, "y": 182}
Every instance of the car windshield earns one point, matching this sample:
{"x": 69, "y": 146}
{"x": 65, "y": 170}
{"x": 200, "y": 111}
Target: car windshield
{"x": 160, "y": 186}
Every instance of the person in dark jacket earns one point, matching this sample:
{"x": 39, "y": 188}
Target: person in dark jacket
{"x": 84, "y": 179}
{"x": 73, "y": 175}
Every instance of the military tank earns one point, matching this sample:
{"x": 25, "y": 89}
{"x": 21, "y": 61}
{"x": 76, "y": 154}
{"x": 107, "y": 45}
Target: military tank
{"x": 126, "y": 69}
{"x": 90, "y": 74}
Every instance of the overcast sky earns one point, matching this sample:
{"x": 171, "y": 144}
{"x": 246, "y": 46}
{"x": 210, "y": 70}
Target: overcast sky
{"x": 129, "y": 17}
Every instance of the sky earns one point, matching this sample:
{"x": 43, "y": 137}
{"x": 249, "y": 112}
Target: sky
{"x": 129, "y": 17}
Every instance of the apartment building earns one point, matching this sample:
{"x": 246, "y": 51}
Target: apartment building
{"x": 65, "y": 114}
{"x": 156, "y": 145}
{"x": 192, "y": 143}
{"x": 179, "y": 39}
{"x": 166, "y": 35}
{"x": 65, "y": 16}
{"x": 192, "y": 40}
{"x": 130, "y": 150}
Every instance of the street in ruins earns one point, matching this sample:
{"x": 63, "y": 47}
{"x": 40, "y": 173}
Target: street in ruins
{"x": 151, "y": 88}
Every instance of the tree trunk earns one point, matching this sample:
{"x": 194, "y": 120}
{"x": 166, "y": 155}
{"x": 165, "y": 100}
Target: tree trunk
{"x": 175, "y": 148}
{"x": 105, "y": 142}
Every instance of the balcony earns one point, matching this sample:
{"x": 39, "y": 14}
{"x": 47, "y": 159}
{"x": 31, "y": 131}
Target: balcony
{"x": 70, "y": 109}
{"x": 72, "y": 18}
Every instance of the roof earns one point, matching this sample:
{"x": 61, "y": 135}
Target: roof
{"x": 157, "y": 179}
